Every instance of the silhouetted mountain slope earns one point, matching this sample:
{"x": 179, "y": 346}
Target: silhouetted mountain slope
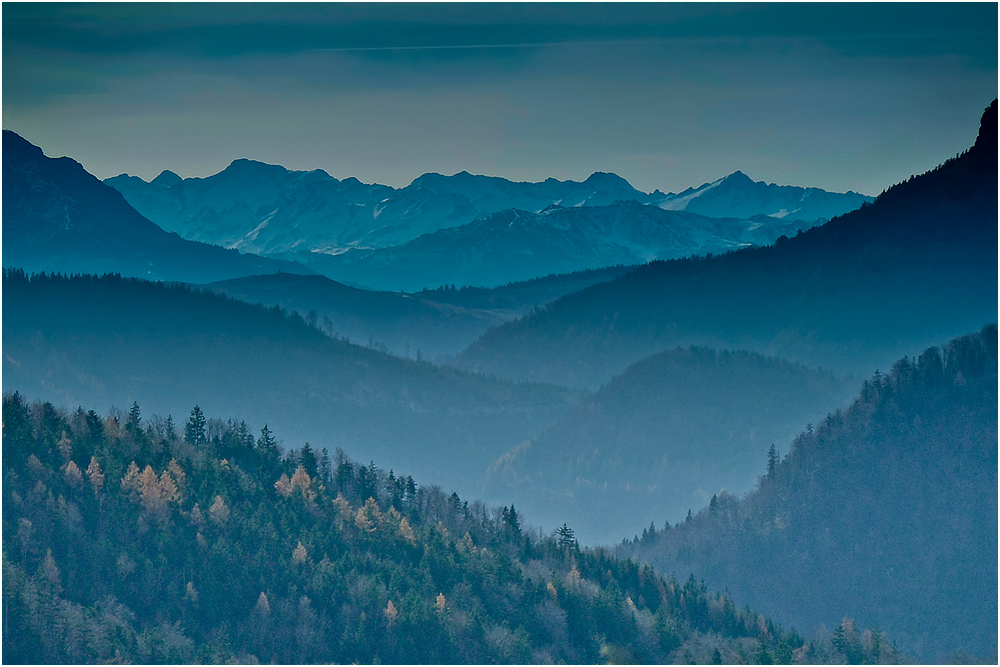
{"x": 519, "y": 245}
{"x": 916, "y": 267}
{"x": 403, "y": 324}
{"x": 111, "y": 341}
{"x": 662, "y": 438}
{"x": 887, "y": 511}
{"x": 125, "y": 542}
{"x": 57, "y": 217}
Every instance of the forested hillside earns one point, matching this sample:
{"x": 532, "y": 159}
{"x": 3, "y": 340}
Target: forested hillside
{"x": 915, "y": 268}
{"x": 662, "y": 438}
{"x": 110, "y": 341}
{"x": 402, "y": 324}
{"x": 124, "y": 541}
{"x": 887, "y": 508}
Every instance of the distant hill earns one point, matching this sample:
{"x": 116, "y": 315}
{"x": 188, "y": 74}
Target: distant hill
{"x": 886, "y": 511}
{"x": 433, "y": 325}
{"x": 111, "y": 341}
{"x": 403, "y": 324}
{"x": 515, "y": 245}
{"x": 916, "y": 267}
{"x": 127, "y": 539}
{"x": 58, "y": 217}
{"x": 523, "y": 296}
{"x": 313, "y": 217}
{"x": 662, "y": 438}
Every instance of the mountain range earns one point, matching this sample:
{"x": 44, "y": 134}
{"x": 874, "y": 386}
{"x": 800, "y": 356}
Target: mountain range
{"x": 346, "y": 229}
{"x": 914, "y": 268}
{"x": 515, "y": 245}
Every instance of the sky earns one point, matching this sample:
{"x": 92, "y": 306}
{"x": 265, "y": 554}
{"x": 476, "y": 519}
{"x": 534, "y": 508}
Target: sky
{"x": 853, "y": 96}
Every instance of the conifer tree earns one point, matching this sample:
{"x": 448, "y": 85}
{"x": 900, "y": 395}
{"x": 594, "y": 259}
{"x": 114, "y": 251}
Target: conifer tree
{"x": 194, "y": 430}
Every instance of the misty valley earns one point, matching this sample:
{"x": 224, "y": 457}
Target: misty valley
{"x": 272, "y": 416}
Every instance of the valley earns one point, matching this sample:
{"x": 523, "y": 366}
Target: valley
{"x": 616, "y": 403}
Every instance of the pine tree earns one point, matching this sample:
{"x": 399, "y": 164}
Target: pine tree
{"x": 194, "y": 430}
{"x": 566, "y": 538}
{"x": 772, "y": 460}
{"x": 134, "y": 418}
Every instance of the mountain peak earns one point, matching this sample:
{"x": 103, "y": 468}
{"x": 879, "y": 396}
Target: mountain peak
{"x": 244, "y": 165}
{"x": 166, "y": 179}
{"x": 15, "y": 144}
{"x": 607, "y": 179}
{"x": 737, "y": 177}
{"x": 988, "y": 128}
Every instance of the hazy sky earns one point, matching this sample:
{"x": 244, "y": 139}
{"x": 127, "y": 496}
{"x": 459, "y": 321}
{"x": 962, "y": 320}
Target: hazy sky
{"x": 849, "y": 96}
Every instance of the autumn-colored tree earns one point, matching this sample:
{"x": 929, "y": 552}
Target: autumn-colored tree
{"x": 65, "y": 447}
{"x": 73, "y": 475}
{"x": 96, "y": 475}
{"x": 302, "y": 482}
{"x": 283, "y": 486}
{"x": 218, "y": 513}
{"x": 130, "y": 482}
{"x": 179, "y": 477}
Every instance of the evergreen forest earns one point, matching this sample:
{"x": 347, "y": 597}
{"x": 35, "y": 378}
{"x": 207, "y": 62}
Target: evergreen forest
{"x": 885, "y": 508}
{"x": 135, "y": 539}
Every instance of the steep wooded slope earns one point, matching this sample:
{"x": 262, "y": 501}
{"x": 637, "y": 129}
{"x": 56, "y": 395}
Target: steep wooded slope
{"x": 886, "y": 511}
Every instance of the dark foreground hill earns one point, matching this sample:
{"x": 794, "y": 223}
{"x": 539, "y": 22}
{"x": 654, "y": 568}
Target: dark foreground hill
{"x": 58, "y": 217}
{"x": 125, "y": 542}
{"x": 887, "y": 508}
{"x": 111, "y": 341}
{"x": 915, "y": 268}
{"x": 662, "y": 438}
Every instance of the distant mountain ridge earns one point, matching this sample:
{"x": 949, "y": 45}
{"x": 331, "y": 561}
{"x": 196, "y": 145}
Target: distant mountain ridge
{"x": 310, "y": 215}
{"x": 739, "y": 196}
{"x": 58, "y": 217}
{"x": 515, "y": 245}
